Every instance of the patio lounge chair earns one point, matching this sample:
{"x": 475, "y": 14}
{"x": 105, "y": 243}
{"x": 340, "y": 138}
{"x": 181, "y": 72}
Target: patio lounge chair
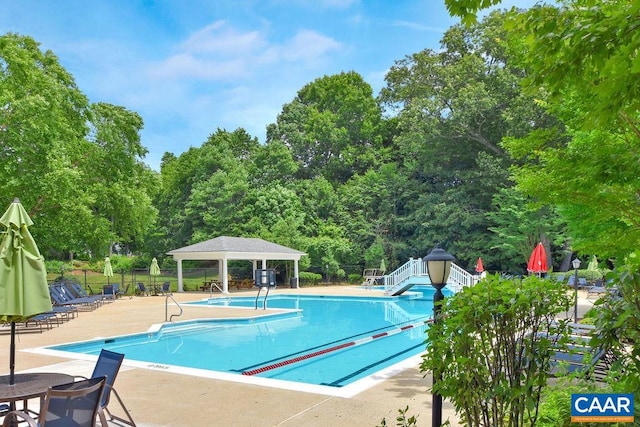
{"x": 48, "y": 320}
{"x": 90, "y": 301}
{"x": 65, "y": 312}
{"x": 110, "y": 292}
{"x": 141, "y": 289}
{"x": 580, "y": 356}
{"x": 72, "y": 404}
{"x": 600, "y": 289}
{"x": 582, "y": 282}
{"x": 125, "y": 292}
{"x": 596, "y": 291}
{"x": 60, "y": 298}
{"x": 38, "y": 323}
{"x": 78, "y": 291}
{"x": 107, "y": 366}
{"x": 166, "y": 288}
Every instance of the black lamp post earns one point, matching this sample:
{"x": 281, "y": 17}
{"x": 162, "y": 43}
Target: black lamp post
{"x": 438, "y": 267}
{"x": 576, "y": 266}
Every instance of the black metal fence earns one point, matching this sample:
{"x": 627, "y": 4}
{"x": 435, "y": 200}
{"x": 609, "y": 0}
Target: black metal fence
{"x": 192, "y": 278}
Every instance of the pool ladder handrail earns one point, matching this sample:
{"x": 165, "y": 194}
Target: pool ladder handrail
{"x": 211, "y": 288}
{"x": 264, "y": 302}
{"x": 166, "y": 308}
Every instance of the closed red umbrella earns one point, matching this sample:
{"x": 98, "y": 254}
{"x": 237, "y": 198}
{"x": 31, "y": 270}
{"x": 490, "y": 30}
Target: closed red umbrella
{"x": 538, "y": 260}
{"x": 479, "y": 266}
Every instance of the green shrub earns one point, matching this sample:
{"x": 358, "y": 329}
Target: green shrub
{"x": 309, "y": 278}
{"x": 486, "y": 351}
{"x": 355, "y": 278}
{"x": 120, "y": 263}
{"x": 56, "y": 267}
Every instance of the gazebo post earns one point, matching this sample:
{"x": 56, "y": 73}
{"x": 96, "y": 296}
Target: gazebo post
{"x": 225, "y": 277}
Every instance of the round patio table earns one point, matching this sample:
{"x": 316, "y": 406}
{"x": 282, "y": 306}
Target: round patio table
{"x": 29, "y": 386}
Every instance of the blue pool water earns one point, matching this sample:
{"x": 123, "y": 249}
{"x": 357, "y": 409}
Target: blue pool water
{"x": 322, "y": 340}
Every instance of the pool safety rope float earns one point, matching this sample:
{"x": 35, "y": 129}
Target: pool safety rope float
{"x": 335, "y": 348}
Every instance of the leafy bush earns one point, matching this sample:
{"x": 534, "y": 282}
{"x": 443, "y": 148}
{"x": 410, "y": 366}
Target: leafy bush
{"x": 307, "y": 277}
{"x": 121, "y": 262}
{"x": 355, "y": 278}
{"x": 55, "y": 266}
{"x": 590, "y": 274}
{"x": 488, "y": 352}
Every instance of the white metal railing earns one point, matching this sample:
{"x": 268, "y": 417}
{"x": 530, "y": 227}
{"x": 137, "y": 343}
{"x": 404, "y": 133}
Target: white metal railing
{"x": 458, "y": 277}
{"x": 412, "y": 268}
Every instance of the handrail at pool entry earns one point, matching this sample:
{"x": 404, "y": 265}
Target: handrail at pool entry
{"x": 335, "y": 348}
{"x": 166, "y": 308}
{"x": 211, "y": 288}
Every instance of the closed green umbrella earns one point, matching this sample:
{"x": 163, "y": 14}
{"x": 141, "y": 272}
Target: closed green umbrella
{"x": 108, "y": 270}
{"x": 593, "y": 264}
{"x": 383, "y": 266}
{"x": 24, "y": 291}
{"x": 154, "y": 270}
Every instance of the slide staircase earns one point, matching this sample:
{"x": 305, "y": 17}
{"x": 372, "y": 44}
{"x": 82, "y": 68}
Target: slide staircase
{"x": 414, "y": 272}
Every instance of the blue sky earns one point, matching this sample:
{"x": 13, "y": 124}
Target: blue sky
{"x": 189, "y": 67}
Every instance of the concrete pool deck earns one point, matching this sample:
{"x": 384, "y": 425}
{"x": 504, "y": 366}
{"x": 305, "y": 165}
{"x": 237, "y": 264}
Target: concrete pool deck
{"x": 157, "y": 398}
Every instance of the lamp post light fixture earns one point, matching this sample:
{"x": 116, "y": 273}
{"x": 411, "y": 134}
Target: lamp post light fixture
{"x": 576, "y": 266}
{"x": 438, "y": 267}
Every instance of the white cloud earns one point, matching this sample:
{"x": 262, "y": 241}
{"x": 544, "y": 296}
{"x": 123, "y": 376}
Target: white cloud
{"x": 219, "y": 52}
{"x": 308, "y": 46}
{"x": 186, "y": 65}
{"x": 418, "y": 27}
{"x": 220, "y": 38}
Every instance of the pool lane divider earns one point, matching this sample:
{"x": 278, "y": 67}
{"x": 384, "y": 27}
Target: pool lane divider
{"x": 335, "y": 348}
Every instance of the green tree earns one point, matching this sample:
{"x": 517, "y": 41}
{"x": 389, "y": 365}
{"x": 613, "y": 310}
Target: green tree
{"x": 369, "y": 207}
{"x": 203, "y": 188}
{"x": 331, "y": 127}
{"x": 54, "y": 151}
{"x": 581, "y": 65}
{"x": 121, "y": 185}
{"x": 453, "y": 109}
{"x": 519, "y": 225}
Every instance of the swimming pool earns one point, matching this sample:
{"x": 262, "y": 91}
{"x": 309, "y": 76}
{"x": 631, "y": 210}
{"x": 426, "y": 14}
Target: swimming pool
{"x": 321, "y": 343}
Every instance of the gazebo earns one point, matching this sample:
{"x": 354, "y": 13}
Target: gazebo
{"x": 226, "y": 248}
